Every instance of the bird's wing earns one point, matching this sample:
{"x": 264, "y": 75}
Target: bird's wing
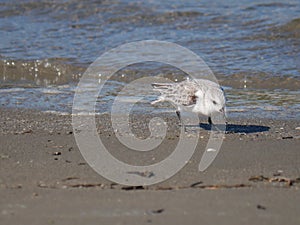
{"x": 182, "y": 93}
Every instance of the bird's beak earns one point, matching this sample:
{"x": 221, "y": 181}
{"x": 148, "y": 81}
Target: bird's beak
{"x": 224, "y": 114}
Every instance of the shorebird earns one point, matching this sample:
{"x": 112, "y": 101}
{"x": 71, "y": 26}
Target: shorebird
{"x": 202, "y": 96}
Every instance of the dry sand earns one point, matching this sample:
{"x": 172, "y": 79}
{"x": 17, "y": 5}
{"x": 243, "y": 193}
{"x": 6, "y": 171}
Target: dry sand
{"x": 255, "y": 178}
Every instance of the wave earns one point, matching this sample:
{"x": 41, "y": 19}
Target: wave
{"x": 58, "y": 72}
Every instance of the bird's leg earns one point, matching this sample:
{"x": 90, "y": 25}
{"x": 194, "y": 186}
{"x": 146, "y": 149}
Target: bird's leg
{"x": 179, "y": 117}
{"x": 209, "y": 121}
{"x": 212, "y": 126}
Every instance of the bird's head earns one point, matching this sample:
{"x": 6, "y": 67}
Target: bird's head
{"x": 216, "y": 103}
{"x": 210, "y": 102}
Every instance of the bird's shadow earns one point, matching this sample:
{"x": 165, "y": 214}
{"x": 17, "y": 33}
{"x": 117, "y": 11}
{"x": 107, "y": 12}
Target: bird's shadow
{"x": 234, "y": 128}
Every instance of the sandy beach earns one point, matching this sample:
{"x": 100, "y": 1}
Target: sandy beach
{"x": 64, "y": 57}
{"x": 255, "y": 178}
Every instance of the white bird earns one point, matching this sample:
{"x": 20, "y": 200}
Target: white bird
{"x": 203, "y": 96}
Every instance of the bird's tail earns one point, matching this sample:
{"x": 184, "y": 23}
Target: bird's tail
{"x": 156, "y": 101}
{"x": 161, "y": 85}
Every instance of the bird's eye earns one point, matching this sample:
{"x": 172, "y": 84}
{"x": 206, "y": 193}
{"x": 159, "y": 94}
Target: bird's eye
{"x": 214, "y": 102}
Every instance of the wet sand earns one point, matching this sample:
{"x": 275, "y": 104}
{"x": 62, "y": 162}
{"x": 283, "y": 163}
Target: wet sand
{"x": 255, "y": 178}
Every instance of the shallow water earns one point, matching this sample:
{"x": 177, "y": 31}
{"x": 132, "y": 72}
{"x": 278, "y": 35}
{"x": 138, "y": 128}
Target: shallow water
{"x": 252, "y": 47}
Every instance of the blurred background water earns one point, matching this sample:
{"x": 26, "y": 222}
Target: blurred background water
{"x": 253, "y": 48}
